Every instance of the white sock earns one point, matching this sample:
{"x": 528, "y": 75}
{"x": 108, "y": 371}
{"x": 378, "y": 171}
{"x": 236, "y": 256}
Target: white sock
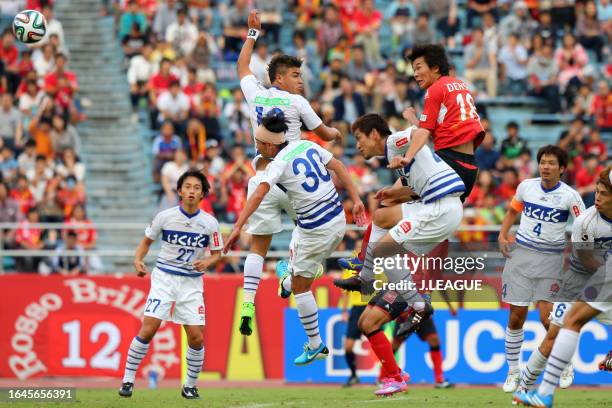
{"x": 514, "y": 342}
{"x": 287, "y": 283}
{"x": 560, "y": 357}
{"x": 137, "y": 351}
{"x": 309, "y": 316}
{"x": 533, "y": 369}
{"x": 195, "y": 359}
{"x": 253, "y": 269}
{"x": 376, "y": 234}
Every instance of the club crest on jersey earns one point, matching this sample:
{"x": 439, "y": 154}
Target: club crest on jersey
{"x": 554, "y": 288}
{"x": 201, "y": 310}
{"x": 546, "y": 214}
{"x": 183, "y": 238}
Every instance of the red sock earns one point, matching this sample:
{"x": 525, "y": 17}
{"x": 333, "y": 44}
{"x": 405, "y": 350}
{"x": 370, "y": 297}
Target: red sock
{"x": 364, "y": 243}
{"x": 383, "y": 350}
{"x": 436, "y": 358}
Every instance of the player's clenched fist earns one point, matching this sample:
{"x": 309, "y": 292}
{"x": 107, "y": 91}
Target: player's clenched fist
{"x": 141, "y": 268}
{"x": 254, "y": 21}
{"x": 231, "y": 240}
{"x": 398, "y": 162}
{"x": 200, "y": 265}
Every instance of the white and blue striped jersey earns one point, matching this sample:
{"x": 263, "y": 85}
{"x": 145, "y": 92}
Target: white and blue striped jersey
{"x": 545, "y": 214}
{"x": 185, "y": 238}
{"x": 262, "y": 100}
{"x": 428, "y": 175}
{"x": 299, "y": 170}
{"x": 591, "y": 231}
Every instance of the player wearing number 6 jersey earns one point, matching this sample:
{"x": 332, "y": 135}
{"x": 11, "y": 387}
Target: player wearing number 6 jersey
{"x": 283, "y": 97}
{"x": 532, "y": 270}
{"x": 300, "y": 168}
{"x": 176, "y": 292}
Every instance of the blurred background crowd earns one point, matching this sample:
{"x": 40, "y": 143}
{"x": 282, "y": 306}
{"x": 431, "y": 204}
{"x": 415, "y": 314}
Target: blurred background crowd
{"x": 179, "y": 60}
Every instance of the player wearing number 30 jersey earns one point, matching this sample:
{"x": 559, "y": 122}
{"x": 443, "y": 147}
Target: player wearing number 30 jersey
{"x": 177, "y": 292}
{"x": 283, "y": 99}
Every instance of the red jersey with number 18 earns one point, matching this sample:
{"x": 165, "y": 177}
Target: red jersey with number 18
{"x": 449, "y": 113}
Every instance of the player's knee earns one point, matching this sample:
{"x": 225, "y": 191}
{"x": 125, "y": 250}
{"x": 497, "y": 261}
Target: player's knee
{"x": 146, "y": 333}
{"x": 195, "y": 341}
{"x": 433, "y": 341}
{"x": 517, "y": 318}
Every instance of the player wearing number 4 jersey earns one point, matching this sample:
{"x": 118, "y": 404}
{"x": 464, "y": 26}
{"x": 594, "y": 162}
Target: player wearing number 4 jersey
{"x": 284, "y": 97}
{"x": 300, "y": 168}
{"x": 532, "y": 270}
{"x": 176, "y": 282}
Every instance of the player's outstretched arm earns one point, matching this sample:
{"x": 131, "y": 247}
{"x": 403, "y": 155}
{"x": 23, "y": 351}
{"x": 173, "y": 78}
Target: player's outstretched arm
{"x": 508, "y": 222}
{"x": 420, "y": 137}
{"x": 249, "y": 208}
{"x": 141, "y": 252}
{"x": 358, "y": 208}
{"x": 328, "y": 133}
{"x": 244, "y": 59}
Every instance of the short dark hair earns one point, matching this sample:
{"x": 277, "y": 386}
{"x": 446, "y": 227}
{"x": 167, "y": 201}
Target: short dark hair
{"x": 369, "y": 122}
{"x": 512, "y": 124}
{"x": 434, "y": 55}
{"x": 72, "y": 234}
{"x": 275, "y": 121}
{"x": 196, "y": 174}
{"x": 604, "y": 178}
{"x": 280, "y": 64}
{"x": 556, "y": 151}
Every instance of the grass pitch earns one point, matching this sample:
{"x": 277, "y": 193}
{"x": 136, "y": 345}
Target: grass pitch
{"x": 313, "y": 396}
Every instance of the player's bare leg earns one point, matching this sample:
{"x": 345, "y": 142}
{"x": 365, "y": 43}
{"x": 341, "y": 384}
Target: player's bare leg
{"x": 194, "y": 359}
{"x": 514, "y": 341}
{"x": 308, "y": 312}
{"x": 253, "y": 271}
{"x": 137, "y": 352}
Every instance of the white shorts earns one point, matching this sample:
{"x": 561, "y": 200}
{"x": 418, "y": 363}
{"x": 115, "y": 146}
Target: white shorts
{"x": 266, "y": 220}
{"x": 425, "y": 226}
{"x": 184, "y": 292}
{"x": 310, "y": 248}
{"x": 531, "y": 276}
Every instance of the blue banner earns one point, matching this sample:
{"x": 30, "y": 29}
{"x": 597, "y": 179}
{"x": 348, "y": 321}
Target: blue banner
{"x": 473, "y": 355}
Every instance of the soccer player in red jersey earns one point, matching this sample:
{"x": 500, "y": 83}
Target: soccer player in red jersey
{"x": 449, "y": 116}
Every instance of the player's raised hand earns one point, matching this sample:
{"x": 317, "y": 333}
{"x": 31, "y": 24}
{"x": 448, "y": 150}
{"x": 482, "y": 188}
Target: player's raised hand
{"x": 359, "y": 213}
{"x": 410, "y": 115}
{"x": 254, "y": 20}
{"x": 231, "y": 240}
{"x": 141, "y": 268}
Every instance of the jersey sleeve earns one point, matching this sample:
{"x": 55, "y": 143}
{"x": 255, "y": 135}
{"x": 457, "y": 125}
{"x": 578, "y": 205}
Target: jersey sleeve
{"x": 431, "y": 108}
{"x": 154, "y": 229}
{"x": 576, "y": 205}
{"x": 398, "y": 143}
{"x": 216, "y": 239}
{"x": 581, "y": 231}
{"x": 274, "y": 172}
{"x": 326, "y": 156}
{"x": 518, "y": 199}
{"x": 250, "y": 87}
{"x": 307, "y": 114}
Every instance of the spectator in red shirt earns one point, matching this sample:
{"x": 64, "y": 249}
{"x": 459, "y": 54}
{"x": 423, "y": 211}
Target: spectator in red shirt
{"x": 159, "y": 83}
{"x": 367, "y": 21}
{"x": 70, "y": 196}
{"x": 61, "y": 84}
{"x": 30, "y": 238}
{"x": 507, "y": 188}
{"x": 594, "y": 145}
{"x": 585, "y": 179}
{"x": 601, "y": 107}
{"x": 8, "y": 57}
{"x": 235, "y": 191}
{"x": 87, "y": 238}
{"x": 23, "y": 195}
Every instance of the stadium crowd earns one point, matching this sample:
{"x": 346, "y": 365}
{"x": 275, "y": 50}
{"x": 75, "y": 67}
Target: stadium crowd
{"x": 41, "y": 176}
{"x": 353, "y": 63}
{"x": 180, "y": 65}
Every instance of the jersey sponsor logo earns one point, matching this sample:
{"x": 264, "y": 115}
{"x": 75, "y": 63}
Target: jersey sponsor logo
{"x": 543, "y": 213}
{"x": 262, "y": 100}
{"x": 401, "y": 142}
{"x": 183, "y": 238}
{"x": 576, "y": 210}
{"x": 423, "y": 117}
{"x": 296, "y": 152}
{"x": 216, "y": 239}
{"x": 201, "y": 310}
{"x": 406, "y": 226}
